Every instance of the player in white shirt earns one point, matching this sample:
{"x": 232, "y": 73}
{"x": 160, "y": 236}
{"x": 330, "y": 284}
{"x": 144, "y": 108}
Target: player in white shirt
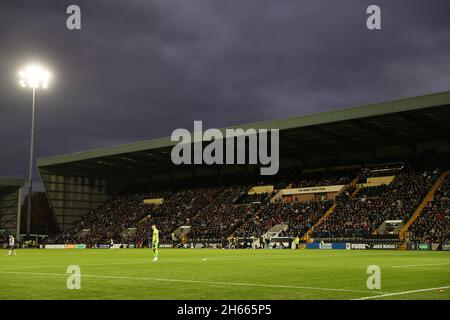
{"x": 12, "y": 248}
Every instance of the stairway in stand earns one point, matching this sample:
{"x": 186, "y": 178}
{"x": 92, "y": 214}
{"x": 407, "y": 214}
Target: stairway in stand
{"x": 420, "y": 208}
{"x": 354, "y": 183}
{"x": 310, "y": 231}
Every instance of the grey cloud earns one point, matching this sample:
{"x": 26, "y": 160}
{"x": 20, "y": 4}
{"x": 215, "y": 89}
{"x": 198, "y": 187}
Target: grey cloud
{"x": 139, "y": 69}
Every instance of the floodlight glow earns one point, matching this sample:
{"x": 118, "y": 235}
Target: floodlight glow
{"x": 34, "y": 76}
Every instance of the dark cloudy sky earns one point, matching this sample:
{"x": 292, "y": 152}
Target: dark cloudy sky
{"x": 138, "y": 69}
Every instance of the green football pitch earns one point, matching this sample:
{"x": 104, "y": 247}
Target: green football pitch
{"x": 224, "y": 274}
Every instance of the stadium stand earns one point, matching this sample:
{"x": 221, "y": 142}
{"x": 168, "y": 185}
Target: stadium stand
{"x": 10, "y": 197}
{"x": 213, "y": 214}
{"x": 42, "y": 221}
{"x": 362, "y": 166}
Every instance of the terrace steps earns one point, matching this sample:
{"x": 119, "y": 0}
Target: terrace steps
{"x": 326, "y": 215}
{"x": 422, "y": 205}
{"x": 355, "y": 192}
{"x": 143, "y": 219}
{"x": 277, "y": 195}
{"x": 354, "y": 183}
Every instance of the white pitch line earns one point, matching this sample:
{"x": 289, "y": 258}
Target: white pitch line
{"x": 420, "y": 265}
{"x": 402, "y": 293}
{"x": 198, "y": 281}
{"x": 81, "y": 265}
{"x": 100, "y": 264}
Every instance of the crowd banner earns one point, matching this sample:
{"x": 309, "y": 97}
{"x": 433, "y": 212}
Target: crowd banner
{"x": 154, "y": 201}
{"x": 359, "y": 246}
{"x": 424, "y": 246}
{"x": 385, "y": 246}
{"x": 352, "y": 246}
{"x": 327, "y": 245}
{"x": 339, "y": 245}
{"x": 377, "y": 181}
{"x": 65, "y": 246}
{"x": 261, "y": 189}
{"x": 55, "y": 246}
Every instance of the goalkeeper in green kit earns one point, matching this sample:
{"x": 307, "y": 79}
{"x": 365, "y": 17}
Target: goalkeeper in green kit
{"x": 155, "y": 243}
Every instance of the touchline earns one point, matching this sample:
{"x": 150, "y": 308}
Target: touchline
{"x": 249, "y": 146}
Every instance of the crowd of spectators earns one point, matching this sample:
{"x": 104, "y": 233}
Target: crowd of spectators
{"x": 433, "y": 225}
{"x": 176, "y": 211}
{"x": 361, "y": 216}
{"x": 324, "y": 178}
{"x": 219, "y": 209}
{"x": 346, "y": 194}
{"x": 254, "y": 198}
{"x": 222, "y": 216}
{"x": 106, "y": 223}
{"x": 127, "y": 219}
{"x": 298, "y": 216}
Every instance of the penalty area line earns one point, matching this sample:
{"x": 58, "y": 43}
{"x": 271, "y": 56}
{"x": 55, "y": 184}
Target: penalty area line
{"x": 401, "y": 293}
{"x": 242, "y": 284}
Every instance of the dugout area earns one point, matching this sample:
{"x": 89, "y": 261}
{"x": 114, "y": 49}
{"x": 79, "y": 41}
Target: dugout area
{"x": 10, "y": 206}
{"x": 78, "y": 182}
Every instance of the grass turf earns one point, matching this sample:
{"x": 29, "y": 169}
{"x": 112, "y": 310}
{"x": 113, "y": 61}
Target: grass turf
{"x": 223, "y": 274}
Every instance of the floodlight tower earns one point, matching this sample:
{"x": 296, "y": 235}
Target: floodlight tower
{"x": 33, "y": 77}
